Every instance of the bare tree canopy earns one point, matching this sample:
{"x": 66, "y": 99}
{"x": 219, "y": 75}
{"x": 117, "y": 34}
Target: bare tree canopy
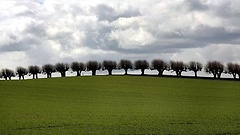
{"x": 195, "y": 67}
{"x": 109, "y": 65}
{"x": 62, "y": 68}
{"x": 142, "y": 65}
{"x": 125, "y": 64}
{"x": 212, "y": 67}
{"x": 34, "y": 70}
{"x": 48, "y": 69}
{"x": 21, "y": 72}
{"x": 233, "y": 69}
{"x": 160, "y": 66}
{"x": 178, "y": 67}
{"x": 93, "y": 66}
{"x": 78, "y": 67}
{"x": 7, "y": 74}
{"x": 215, "y": 67}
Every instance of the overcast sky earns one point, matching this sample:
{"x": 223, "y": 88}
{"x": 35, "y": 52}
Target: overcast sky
{"x": 36, "y": 32}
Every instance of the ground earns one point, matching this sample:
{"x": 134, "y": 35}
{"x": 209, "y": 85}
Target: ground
{"x": 120, "y": 105}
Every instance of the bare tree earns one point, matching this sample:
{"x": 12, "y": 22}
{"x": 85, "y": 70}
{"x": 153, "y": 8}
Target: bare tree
{"x": 142, "y": 65}
{"x": 21, "y": 72}
{"x": 7, "y": 74}
{"x": 93, "y": 66}
{"x": 234, "y": 69}
{"x": 125, "y": 64}
{"x": 160, "y": 66}
{"x": 62, "y": 68}
{"x": 48, "y": 69}
{"x": 78, "y": 67}
{"x": 34, "y": 70}
{"x": 178, "y": 67}
{"x": 195, "y": 67}
{"x": 215, "y": 67}
{"x": 109, "y": 66}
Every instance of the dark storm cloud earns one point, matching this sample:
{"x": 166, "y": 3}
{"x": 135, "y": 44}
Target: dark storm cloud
{"x": 215, "y": 35}
{"x": 196, "y": 5}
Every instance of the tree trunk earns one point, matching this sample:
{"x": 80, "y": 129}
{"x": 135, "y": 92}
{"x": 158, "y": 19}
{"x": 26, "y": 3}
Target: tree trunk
{"x": 177, "y": 73}
{"x": 215, "y": 76}
{"x": 219, "y": 75}
{"x": 125, "y": 71}
{"x": 49, "y": 75}
{"x": 93, "y": 72}
{"x": 78, "y": 73}
{"x": 33, "y": 76}
{"x": 109, "y": 71}
{"x": 19, "y": 77}
{"x": 36, "y": 76}
{"x": 195, "y": 72}
{"x": 160, "y": 72}
{"x": 180, "y": 73}
{"x": 9, "y": 77}
{"x": 234, "y": 75}
{"x": 142, "y": 70}
{"x": 5, "y": 77}
{"x": 23, "y": 77}
{"x": 62, "y": 74}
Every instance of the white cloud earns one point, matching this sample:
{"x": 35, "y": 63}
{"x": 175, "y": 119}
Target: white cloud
{"x": 39, "y": 32}
{"x": 132, "y": 38}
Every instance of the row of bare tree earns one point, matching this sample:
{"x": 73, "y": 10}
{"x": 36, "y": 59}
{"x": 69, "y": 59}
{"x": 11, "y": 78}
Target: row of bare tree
{"x": 212, "y": 67}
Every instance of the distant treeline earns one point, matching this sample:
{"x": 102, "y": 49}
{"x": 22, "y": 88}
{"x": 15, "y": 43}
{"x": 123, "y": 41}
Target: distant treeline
{"x": 216, "y": 68}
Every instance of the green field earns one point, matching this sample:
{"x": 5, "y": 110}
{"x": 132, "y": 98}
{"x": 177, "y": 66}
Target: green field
{"x": 119, "y": 105}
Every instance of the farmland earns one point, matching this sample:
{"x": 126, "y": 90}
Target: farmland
{"x": 119, "y": 105}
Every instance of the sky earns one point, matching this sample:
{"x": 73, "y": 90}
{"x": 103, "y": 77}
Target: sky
{"x": 37, "y": 32}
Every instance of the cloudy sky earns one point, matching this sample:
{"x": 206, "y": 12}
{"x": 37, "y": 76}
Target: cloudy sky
{"x": 36, "y": 32}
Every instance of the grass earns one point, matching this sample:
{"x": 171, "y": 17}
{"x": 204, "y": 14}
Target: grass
{"x": 119, "y": 105}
